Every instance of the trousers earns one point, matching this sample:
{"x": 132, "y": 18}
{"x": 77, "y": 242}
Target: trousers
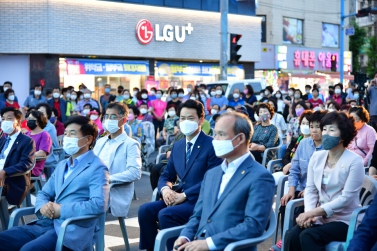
{"x": 316, "y": 237}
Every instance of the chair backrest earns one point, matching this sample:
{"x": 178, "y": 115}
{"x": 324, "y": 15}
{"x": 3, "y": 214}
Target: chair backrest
{"x": 149, "y": 135}
{"x": 368, "y": 191}
{"x": 160, "y": 157}
{"x": 170, "y": 138}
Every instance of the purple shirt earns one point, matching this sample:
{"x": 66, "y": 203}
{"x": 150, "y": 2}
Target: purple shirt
{"x": 42, "y": 142}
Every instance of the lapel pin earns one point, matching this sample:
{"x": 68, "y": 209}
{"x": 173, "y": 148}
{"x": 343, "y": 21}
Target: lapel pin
{"x": 243, "y": 172}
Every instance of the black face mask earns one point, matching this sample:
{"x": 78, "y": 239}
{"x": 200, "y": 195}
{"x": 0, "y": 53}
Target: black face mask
{"x": 331, "y": 93}
{"x": 120, "y": 91}
{"x": 32, "y": 124}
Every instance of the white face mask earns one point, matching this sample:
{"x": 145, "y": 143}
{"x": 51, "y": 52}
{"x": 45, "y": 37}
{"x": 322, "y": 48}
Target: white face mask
{"x": 68, "y": 95}
{"x": 213, "y": 93}
{"x": 56, "y": 95}
{"x": 158, "y": 95}
{"x": 290, "y": 93}
{"x": 307, "y": 91}
{"x": 330, "y": 109}
{"x": 189, "y": 89}
{"x": 278, "y": 95}
{"x": 81, "y": 97}
{"x": 70, "y": 145}
{"x": 111, "y": 125}
{"x": 153, "y": 93}
{"x": 126, "y": 96}
{"x": 171, "y": 113}
{"x": 223, "y": 147}
{"x": 338, "y": 91}
{"x": 356, "y": 96}
{"x": 213, "y": 111}
{"x": 5, "y": 88}
{"x": 11, "y": 97}
{"x": 85, "y": 111}
{"x": 236, "y": 95}
{"x": 219, "y": 92}
{"x": 144, "y": 96}
{"x": 305, "y": 129}
{"x": 93, "y": 117}
{"x": 297, "y": 96}
{"x": 143, "y": 111}
{"x": 188, "y": 127}
{"x": 87, "y": 95}
{"x": 73, "y": 97}
{"x": 7, "y": 127}
{"x": 192, "y": 98}
{"x": 266, "y": 93}
{"x": 37, "y": 92}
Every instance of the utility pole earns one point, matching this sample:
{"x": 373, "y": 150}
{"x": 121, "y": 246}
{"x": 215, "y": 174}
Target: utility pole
{"x": 341, "y": 54}
{"x": 224, "y": 6}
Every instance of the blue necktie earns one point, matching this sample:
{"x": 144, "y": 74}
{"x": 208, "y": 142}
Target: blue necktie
{"x": 188, "y": 152}
{"x": 4, "y": 148}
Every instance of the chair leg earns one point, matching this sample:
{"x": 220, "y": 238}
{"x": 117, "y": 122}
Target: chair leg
{"x": 135, "y": 198}
{"x": 4, "y": 214}
{"x": 124, "y": 233}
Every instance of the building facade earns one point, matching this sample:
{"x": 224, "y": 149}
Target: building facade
{"x": 68, "y": 42}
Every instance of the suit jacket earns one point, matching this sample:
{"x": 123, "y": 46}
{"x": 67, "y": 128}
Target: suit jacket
{"x": 365, "y": 237}
{"x": 343, "y": 188}
{"x": 84, "y": 192}
{"x": 63, "y": 108}
{"x": 19, "y": 160}
{"x": 202, "y": 159}
{"x": 125, "y": 168}
{"x": 241, "y": 212}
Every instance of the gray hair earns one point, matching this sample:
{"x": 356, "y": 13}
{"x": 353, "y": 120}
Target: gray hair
{"x": 120, "y": 107}
{"x": 242, "y": 125}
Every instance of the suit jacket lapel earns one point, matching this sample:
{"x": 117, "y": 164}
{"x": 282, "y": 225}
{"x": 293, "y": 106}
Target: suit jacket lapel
{"x": 14, "y": 147}
{"x": 194, "y": 153}
{"x": 216, "y": 187}
{"x": 241, "y": 172}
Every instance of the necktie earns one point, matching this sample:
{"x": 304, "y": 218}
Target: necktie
{"x": 2, "y": 156}
{"x": 188, "y": 152}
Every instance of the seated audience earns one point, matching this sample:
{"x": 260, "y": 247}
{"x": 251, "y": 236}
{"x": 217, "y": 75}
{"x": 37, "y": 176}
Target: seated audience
{"x": 87, "y": 108}
{"x": 231, "y": 206}
{"x": 95, "y": 117}
{"x": 177, "y": 206}
{"x": 237, "y": 100}
{"x": 10, "y": 99}
{"x": 78, "y": 187}
{"x": 345, "y": 108}
{"x": 333, "y": 106}
{"x": 144, "y": 115}
{"x": 174, "y": 98}
{"x": 219, "y": 99}
{"x": 335, "y": 177}
{"x": 277, "y": 119}
{"x": 135, "y": 124}
{"x": 58, "y": 125}
{"x": 7, "y": 85}
{"x": 143, "y": 98}
{"x": 265, "y": 134}
{"x": 122, "y": 155}
{"x": 315, "y": 100}
{"x": 59, "y": 104}
{"x": 127, "y": 98}
{"x": 168, "y": 125}
{"x": 34, "y": 99}
{"x": 16, "y": 156}
{"x": 86, "y": 99}
{"x": 363, "y": 143}
{"x": 293, "y": 127}
{"x": 36, "y": 121}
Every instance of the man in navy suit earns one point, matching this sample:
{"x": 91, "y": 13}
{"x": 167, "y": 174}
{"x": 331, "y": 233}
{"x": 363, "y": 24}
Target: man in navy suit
{"x": 236, "y": 197}
{"x": 16, "y": 156}
{"x": 365, "y": 237}
{"x": 190, "y": 159}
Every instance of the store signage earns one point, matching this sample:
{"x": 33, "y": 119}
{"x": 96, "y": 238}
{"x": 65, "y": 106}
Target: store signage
{"x": 106, "y": 67}
{"x": 307, "y": 58}
{"x": 145, "y": 32}
{"x": 192, "y": 69}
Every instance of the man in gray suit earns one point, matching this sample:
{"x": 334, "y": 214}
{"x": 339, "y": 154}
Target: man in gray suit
{"x": 238, "y": 194}
{"x": 79, "y": 186}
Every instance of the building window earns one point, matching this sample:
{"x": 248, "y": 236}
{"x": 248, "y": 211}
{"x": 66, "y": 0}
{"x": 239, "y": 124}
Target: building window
{"x": 292, "y": 31}
{"x": 264, "y": 32}
{"x": 330, "y": 35}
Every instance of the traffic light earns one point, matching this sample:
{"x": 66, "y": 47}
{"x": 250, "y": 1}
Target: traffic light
{"x": 333, "y": 62}
{"x": 366, "y": 11}
{"x": 234, "y": 47}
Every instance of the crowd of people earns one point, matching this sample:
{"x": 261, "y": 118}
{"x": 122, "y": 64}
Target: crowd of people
{"x": 325, "y": 143}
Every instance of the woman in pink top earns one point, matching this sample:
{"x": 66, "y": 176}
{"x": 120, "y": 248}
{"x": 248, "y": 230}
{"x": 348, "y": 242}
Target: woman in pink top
{"x": 158, "y": 111}
{"x": 363, "y": 143}
{"x": 95, "y": 116}
{"x": 36, "y": 121}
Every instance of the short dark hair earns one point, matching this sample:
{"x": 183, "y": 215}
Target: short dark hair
{"x": 55, "y": 111}
{"x": 193, "y": 104}
{"x": 120, "y": 107}
{"x": 331, "y": 87}
{"x": 270, "y": 89}
{"x": 38, "y": 85}
{"x": 337, "y": 106}
{"x": 16, "y": 112}
{"x": 230, "y": 107}
{"x": 250, "y": 90}
{"x": 146, "y": 104}
{"x": 172, "y": 106}
{"x": 144, "y": 91}
{"x": 315, "y": 89}
{"x": 135, "y": 110}
{"x": 7, "y": 92}
{"x": 88, "y": 104}
{"x": 121, "y": 87}
{"x": 180, "y": 90}
{"x": 306, "y": 114}
{"x": 174, "y": 90}
{"x": 361, "y": 112}
{"x": 242, "y": 124}
{"x": 40, "y": 117}
{"x": 340, "y": 86}
{"x": 345, "y": 123}
{"x": 317, "y": 116}
{"x": 48, "y": 92}
{"x": 97, "y": 110}
{"x": 47, "y": 107}
{"x": 8, "y": 82}
{"x": 56, "y": 88}
{"x": 88, "y": 128}
{"x": 266, "y": 106}
{"x": 275, "y": 104}
{"x": 302, "y": 103}
{"x": 217, "y": 106}
{"x": 308, "y": 86}
{"x": 159, "y": 90}
{"x": 352, "y": 100}
{"x": 345, "y": 107}
{"x": 64, "y": 90}
{"x": 298, "y": 90}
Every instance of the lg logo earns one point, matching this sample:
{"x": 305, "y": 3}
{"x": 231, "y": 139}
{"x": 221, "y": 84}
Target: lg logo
{"x": 145, "y": 32}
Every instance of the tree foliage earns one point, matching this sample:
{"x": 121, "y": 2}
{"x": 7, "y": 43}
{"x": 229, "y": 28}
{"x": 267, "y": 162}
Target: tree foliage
{"x": 372, "y": 57}
{"x": 356, "y": 42}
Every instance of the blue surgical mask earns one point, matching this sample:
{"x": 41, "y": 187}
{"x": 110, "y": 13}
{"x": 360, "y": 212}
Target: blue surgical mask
{"x": 107, "y": 90}
{"x": 329, "y": 142}
{"x": 158, "y": 95}
{"x": 174, "y": 96}
{"x": 181, "y": 95}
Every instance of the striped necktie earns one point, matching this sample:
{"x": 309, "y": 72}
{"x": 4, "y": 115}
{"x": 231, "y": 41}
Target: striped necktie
{"x": 188, "y": 152}
{"x": 2, "y": 156}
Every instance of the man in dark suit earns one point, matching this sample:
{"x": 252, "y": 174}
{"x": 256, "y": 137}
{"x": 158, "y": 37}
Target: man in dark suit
{"x": 59, "y": 103}
{"x": 236, "y": 197}
{"x": 190, "y": 159}
{"x": 365, "y": 237}
{"x": 16, "y": 156}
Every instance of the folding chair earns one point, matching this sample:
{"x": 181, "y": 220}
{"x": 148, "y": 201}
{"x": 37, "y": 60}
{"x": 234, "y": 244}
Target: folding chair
{"x": 271, "y": 153}
{"x": 163, "y": 149}
{"x": 160, "y": 157}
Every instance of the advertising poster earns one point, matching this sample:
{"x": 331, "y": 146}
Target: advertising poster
{"x": 292, "y": 31}
{"x": 330, "y": 35}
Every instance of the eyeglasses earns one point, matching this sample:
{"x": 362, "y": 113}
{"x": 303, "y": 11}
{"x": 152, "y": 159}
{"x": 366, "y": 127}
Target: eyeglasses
{"x": 112, "y": 117}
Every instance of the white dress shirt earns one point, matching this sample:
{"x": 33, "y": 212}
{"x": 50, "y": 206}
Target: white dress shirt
{"x": 6, "y": 152}
{"x": 107, "y": 149}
